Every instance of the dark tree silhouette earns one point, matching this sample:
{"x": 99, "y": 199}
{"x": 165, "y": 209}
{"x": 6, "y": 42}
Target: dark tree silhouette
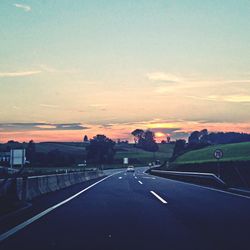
{"x": 145, "y": 140}
{"x": 204, "y": 136}
{"x": 228, "y": 137}
{"x": 137, "y": 133}
{"x": 194, "y": 138}
{"x": 179, "y": 147}
{"x": 101, "y": 149}
{"x": 31, "y": 152}
{"x": 199, "y": 139}
{"x": 85, "y": 138}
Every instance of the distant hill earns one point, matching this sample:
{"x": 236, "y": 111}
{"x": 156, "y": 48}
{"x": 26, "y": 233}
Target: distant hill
{"x": 232, "y": 152}
{"x": 123, "y": 150}
{"x": 67, "y": 148}
{"x": 139, "y": 155}
{"x": 227, "y": 137}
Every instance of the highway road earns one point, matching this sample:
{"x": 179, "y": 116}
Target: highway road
{"x": 138, "y": 211}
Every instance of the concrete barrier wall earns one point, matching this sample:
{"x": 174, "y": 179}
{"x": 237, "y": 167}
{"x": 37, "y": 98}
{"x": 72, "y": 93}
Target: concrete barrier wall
{"x": 19, "y": 188}
{"x": 31, "y": 187}
{"x": 36, "y": 186}
{"x": 5, "y": 185}
{"x": 11, "y": 189}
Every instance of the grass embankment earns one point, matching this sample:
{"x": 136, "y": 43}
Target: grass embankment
{"x": 231, "y": 152}
{"x": 234, "y": 167}
{"x": 135, "y": 154}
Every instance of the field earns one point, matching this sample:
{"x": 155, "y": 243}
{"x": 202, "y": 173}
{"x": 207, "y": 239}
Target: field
{"x": 122, "y": 151}
{"x": 70, "y": 148}
{"x": 137, "y": 157}
{"x": 141, "y": 156}
{"x": 232, "y": 152}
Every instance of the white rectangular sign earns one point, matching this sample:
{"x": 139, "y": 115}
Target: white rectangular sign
{"x": 125, "y": 160}
{"x": 17, "y": 157}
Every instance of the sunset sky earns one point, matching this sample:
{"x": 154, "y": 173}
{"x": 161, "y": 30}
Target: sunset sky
{"x": 75, "y": 67}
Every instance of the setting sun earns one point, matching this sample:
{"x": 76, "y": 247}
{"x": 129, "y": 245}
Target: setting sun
{"x": 159, "y": 134}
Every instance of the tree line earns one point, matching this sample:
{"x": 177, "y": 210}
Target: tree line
{"x": 201, "y": 139}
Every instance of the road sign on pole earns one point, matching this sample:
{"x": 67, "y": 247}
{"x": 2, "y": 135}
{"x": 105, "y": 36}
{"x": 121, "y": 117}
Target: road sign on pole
{"x": 218, "y": 154}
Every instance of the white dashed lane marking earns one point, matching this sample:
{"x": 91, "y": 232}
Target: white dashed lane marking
{"x": 158, "y": 197}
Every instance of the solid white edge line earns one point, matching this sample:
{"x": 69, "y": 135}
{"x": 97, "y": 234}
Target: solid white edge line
{"x": 158, "y": 197}
{"x": 203, "y": 187}
{"x": 48, "y": 210}
{"x": 140, "y": 182}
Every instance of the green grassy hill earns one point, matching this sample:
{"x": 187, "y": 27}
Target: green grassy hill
{"x": 45, "y": 147}
{"x": 232, "y": 152}
{"x": 122, "y": 151}
{"x": 164, "y": 153}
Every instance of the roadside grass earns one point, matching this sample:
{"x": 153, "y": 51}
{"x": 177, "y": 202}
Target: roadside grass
{"x": 231, "y": 152}
{"x": 60, "y": 170}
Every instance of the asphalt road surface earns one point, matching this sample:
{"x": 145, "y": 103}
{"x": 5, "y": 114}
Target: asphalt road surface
{"x": 138, "y": 211}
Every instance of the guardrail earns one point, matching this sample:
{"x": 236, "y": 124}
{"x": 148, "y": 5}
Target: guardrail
{"x": 200, "y": 178}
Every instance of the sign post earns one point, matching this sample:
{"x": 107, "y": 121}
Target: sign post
{"x": 218, "y": 154}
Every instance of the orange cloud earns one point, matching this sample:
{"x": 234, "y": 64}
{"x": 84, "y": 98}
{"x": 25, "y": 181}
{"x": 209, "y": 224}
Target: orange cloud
{"x": 178, "y": 129}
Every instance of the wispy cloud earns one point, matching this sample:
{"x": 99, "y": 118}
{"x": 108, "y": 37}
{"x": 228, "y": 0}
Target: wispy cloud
{"x": 41, "y": 69}
{"x": 233, "y": 90}
{"x": 165, "y": 89}
{"x": 49, "y": 106}
{"x": 97, "y": 106}
{"x": 237, "y": 98}
{"x": 163, "y": 77}
{"x": 225, "y": 98}
{"x": 24, "y": 7}
{"x": 205, "y": 98}
{"x": 16, "y": 107}
{"x": 50, "y": 69}
{"x": 36, "y": 126}
{"x": 20, "y": 73}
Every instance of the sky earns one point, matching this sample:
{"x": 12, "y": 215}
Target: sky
{"x": 70, "y": 68}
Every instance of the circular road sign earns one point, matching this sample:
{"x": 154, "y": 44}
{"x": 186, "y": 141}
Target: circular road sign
{"x": 218, "y": 154}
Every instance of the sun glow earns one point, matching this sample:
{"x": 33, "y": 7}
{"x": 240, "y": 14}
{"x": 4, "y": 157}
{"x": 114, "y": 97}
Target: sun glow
{"x": 159, "y": 134}
{"x": 161, "y": 125}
